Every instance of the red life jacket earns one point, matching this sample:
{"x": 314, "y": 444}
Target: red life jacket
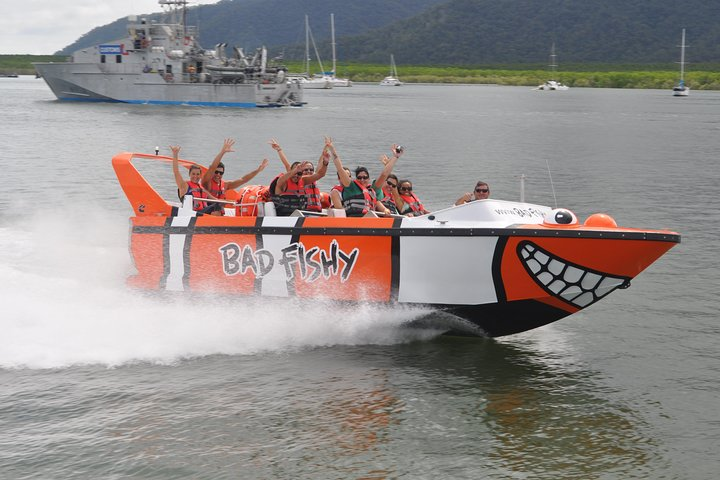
{"x": 359, "y": 204}
{"x": 293, "y": 198}
{"x": 196, "y": 191}
{"x": 412, "y": 204}
{"x": 312, "y": 193}
{"x": 217, "y": 190}
{"x": 389, "y": 201}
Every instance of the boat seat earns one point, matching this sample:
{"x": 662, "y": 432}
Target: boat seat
{"x": 336, "y": 212}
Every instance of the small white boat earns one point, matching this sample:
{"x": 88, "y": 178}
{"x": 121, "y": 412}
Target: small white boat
{"x": 682, "y": 90}
{"x": 552, "y": 84}
{"x": 392, "y": 79}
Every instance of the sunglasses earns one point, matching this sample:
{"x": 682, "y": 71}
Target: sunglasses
{"x": 309, "y": 170}
{"x": 482, "y": 190}
{"x": 393, "y": 185}
{"x": 364, "y": 177}
{"x": 406, "y": 189}
{"x": 219, "y": 172}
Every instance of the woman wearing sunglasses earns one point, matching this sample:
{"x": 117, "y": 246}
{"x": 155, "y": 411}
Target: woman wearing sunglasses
{"x": 360, "y": 195}
{"x": 481, "y": 192}
{"x": 390, "y": 190}
{"x": 296, "y": 189}
{"x": 213, "y": 181}
{"x": 407, "y": 202}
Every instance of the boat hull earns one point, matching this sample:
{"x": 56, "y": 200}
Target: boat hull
{"x": 86, "y": 82}
{"x": 491, "y": 278}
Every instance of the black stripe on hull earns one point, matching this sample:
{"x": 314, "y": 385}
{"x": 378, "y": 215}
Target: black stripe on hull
{"x": 412, "y": 232}
{"x": 504, "y": 318}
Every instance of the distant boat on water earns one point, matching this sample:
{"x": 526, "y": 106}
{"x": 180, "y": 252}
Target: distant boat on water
{"x": 552, "y": 84}
{"x": 391, "y": 80}
{"x": 681, "y": 90}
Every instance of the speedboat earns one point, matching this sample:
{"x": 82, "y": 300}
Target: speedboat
{"x": 494, "y": 267}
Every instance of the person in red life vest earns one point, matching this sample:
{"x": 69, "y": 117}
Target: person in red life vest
{"x": 361, "y": 196}
{"x": 192, "y": 186}
{"x": 336, "y": 192}
{"x": 390, "y": 190}
{"x": 407, "y": 202}
{"x": 296, "y": 189}
{"x": 481, "y": 192}
{"x": 212, "y": 179}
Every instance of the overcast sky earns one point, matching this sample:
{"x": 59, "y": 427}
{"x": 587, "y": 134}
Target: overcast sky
{"x": 42, "y": 27}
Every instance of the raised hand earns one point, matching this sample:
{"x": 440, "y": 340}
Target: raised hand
{"x": 274, "y": 144}
{"x": 228, "y": 145}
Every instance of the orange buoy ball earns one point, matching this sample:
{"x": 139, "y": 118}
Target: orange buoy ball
{"x": 600, "y": 220}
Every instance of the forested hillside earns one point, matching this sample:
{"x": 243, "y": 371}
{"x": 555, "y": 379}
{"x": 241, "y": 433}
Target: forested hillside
{"x": 463, "y": 32}
{"x": 251, "y": 23}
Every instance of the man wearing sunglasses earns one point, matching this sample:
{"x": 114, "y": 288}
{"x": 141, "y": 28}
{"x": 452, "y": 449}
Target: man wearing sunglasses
{"x": 481, "y": 192}
{"x": 213, "y": 181}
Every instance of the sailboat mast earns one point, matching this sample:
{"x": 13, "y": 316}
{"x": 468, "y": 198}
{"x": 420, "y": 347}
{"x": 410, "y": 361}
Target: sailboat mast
{"x": 682, "y": 58}
{"x": 332, "y": 35}
{"x": 307, "y": 46}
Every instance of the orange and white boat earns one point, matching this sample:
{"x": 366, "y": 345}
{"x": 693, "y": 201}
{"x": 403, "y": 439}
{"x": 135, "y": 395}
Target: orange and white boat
{"x": 498, "y": 267}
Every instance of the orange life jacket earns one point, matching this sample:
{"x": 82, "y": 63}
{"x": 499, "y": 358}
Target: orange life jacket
{"x": 196, "y": 191}
{"x": 359, "y": 204}
{"x": 312, "y": 192}
{"x": 293, "y": 198}
{"x": 217, "y": 189}
{"x": 412, "y": 205}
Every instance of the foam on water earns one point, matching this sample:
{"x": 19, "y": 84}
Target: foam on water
{"x": 65, "y": 303}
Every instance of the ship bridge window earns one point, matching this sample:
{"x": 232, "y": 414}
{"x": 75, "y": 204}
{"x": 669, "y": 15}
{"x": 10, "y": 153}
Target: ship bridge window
{"x": 102, "y": 58}
{"x": 118, "y": 58}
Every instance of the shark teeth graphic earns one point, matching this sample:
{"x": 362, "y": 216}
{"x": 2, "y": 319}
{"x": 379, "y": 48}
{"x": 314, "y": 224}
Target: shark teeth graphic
{"x": 572, "y": 283}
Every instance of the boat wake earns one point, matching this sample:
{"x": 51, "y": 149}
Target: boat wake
{"x": 66, "y": 303}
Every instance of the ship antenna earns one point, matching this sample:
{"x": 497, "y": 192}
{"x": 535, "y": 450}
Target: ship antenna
{"x": 552, "y": 186}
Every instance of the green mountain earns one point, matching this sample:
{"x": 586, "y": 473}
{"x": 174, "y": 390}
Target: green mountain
{"x": 252, "y": 23}
{"x": 461, "y": 32}
{"x": 478, "y": 32}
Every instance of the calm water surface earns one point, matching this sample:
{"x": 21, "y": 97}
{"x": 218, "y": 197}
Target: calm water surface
{"x": 101, "y": 382}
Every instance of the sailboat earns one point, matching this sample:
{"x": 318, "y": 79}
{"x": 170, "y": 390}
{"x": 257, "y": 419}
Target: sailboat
{"x": 682, "y": 90}
{"x": 552, "y": 84}
{"x": 319, "y": 81}
{"x": 337, "y": 82}
{"x": 392, "y": 79}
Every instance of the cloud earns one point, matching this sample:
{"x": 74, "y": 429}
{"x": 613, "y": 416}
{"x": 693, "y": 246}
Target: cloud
{"x": 41, "y": 27}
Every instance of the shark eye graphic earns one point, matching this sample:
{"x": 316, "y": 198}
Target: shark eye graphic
{"x": 560, "y": 216}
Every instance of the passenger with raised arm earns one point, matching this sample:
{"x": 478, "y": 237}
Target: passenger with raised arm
{"x": 193, "y": 186}
{"x": 289, "y": 190}
{"x": 213, "y": 181}
{"x": 360, "y": 196}
{"x": 390, "y": 191}
{"x": 336, "y": 192}
{"x": 481, "y": 192}
{"x": 407, "y": 202}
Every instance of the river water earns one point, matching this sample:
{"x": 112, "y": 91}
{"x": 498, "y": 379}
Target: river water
{"x": 98, "y": 381}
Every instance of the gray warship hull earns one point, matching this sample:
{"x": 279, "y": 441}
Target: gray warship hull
{"x": 85, "y": 82}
